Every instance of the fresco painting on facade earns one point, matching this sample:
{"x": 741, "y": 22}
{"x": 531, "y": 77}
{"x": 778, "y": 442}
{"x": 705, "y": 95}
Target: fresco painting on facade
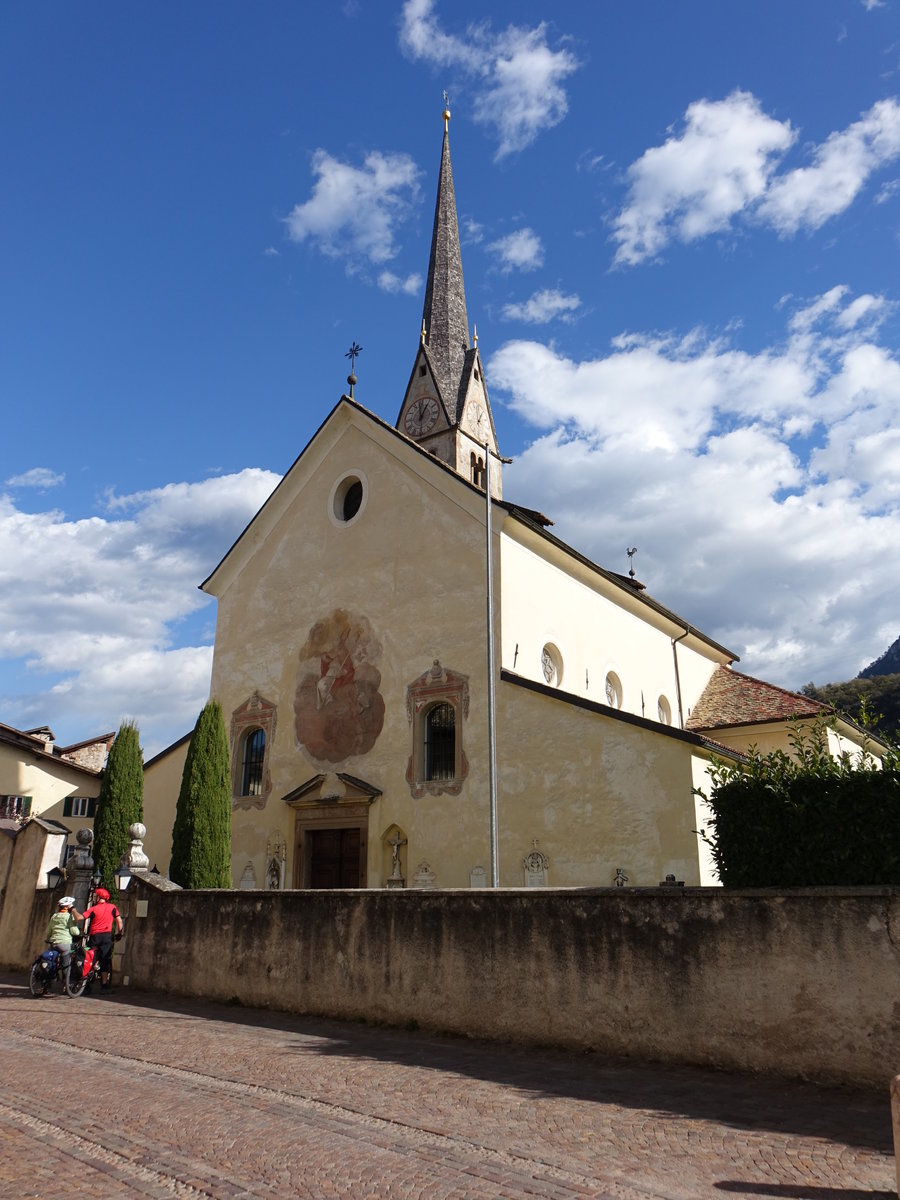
{"x": 338, "y": 709}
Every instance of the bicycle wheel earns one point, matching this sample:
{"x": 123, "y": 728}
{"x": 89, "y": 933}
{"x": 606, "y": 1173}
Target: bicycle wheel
{"x": 75, "y": 987}
{"x": 38, "y": 982}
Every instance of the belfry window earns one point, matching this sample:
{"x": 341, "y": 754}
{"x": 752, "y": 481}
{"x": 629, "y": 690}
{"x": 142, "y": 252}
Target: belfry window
{"x": 440, "y": 742}
{"x": 477, "y": 468}
{"x": 252, "y": 766}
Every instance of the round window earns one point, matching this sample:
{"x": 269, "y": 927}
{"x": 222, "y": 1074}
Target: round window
{"x": 348, "y": 498}
{"x": 551, "y": 665}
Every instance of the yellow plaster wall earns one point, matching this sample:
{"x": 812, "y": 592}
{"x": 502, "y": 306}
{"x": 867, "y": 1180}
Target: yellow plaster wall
{"x": 598, "y": 793}
{"x": 162, "y": 783}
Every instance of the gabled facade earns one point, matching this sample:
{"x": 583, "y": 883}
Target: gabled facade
{"x": 40, "y": 779}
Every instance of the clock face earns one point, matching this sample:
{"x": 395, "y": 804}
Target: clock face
{"x": 421, "y": 416}
{"x": 478, "y": 421}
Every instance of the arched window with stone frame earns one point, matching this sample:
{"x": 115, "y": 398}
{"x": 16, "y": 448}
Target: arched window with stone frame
{"x": 252, "y": 733}
{"x": 437, "y": 703}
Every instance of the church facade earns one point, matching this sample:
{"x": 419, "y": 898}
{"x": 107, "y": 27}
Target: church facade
{"x": 351, "y": 660}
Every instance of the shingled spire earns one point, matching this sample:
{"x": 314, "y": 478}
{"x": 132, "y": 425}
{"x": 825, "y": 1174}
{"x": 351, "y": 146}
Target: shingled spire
{"x": 446, "y": 407}
{"x": 444, "y": 314}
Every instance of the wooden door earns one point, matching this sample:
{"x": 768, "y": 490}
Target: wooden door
{"x": 334, "y": 858}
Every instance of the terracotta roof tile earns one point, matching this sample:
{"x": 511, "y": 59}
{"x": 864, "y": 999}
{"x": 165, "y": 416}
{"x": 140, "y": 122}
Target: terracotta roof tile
{"x": 731, "y": 698}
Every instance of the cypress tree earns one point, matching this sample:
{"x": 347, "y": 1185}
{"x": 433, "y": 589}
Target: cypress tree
{"x": 201, "y": 835}
{"x": 120, "y": 803}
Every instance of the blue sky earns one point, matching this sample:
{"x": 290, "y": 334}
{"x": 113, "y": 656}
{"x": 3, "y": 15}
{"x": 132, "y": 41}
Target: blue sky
{"x": 681, "y": 228}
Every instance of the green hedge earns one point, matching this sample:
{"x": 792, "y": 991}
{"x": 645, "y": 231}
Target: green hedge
{"x": 807, "y": 819}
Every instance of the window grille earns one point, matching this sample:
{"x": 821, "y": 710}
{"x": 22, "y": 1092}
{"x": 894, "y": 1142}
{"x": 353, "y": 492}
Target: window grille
{"x": 254, "y": 754}
{"x": 440, "y": 742}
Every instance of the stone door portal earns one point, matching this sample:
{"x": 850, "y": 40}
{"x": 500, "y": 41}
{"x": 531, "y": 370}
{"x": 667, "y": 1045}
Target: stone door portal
{"x": 331, "y": 831}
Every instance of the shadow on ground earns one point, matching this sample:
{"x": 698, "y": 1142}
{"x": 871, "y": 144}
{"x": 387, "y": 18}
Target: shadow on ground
{"x": 745, "y": 1102}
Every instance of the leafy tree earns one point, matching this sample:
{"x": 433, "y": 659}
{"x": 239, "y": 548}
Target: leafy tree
{"x": 120, "y": 803}
{"x": 807, "y": 819}
{"x": 201, "y": 835}
{"x": 879, "y": 695}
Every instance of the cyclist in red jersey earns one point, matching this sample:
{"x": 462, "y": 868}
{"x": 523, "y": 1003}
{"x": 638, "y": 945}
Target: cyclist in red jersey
{"x": 104, "y": 918}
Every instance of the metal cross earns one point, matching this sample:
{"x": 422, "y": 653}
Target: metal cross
{"x": 351, "y": 354}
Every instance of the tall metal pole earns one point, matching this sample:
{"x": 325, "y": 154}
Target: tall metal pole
{"x": 492, "y": 741}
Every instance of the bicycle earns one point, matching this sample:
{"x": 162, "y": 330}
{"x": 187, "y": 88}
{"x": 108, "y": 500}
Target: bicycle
{"x": 84, "y": 971}
{"x": 45, "y": 970}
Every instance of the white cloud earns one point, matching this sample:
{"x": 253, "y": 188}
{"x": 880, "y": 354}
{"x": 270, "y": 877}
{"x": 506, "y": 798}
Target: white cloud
{"x": 762, "y": 489}
{"x": 809, "y": 196}
{"x": 519, "y": 251}
{"x": 697, "y": 181}
{"x": 354, "y": 211}
{"x": 542, "y": 307}
{"x": 723, "y": 165}
{"x": 474, "y": 232}
{"x": 389, "y": 282}
{"x": 517, "y": 75}
{"x": 108, "y": 597}
{"x": 891, "y": 188}
{"x": 37, "y": 477}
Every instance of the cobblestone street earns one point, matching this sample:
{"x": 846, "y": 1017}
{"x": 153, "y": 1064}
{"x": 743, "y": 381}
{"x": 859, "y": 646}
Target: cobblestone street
{"x": 137, "y": 1094}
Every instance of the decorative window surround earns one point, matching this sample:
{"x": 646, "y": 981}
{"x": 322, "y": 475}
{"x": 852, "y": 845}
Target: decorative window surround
{"x": 438, "y": 685}
{"x": 255, "y": 713}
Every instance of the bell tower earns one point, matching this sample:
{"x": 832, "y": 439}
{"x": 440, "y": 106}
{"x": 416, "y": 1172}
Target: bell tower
{"x": 446, "y": 407}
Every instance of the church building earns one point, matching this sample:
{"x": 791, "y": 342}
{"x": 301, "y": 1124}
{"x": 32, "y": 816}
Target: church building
{"x": 368, "y": 732}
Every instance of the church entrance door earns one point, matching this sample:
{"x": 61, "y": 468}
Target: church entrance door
{"x": 334, "y": 858}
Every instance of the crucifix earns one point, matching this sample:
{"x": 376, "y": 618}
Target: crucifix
{"x": 395, "y": 843}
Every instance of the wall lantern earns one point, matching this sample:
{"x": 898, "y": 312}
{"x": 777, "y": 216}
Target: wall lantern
{"x": 55, "y": 878}
{"x": 123, "y": 877}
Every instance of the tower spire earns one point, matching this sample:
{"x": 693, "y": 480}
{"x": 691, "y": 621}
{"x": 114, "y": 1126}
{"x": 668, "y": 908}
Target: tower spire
{"x": 445, "y": 407}
{"x": 444, "y": 315}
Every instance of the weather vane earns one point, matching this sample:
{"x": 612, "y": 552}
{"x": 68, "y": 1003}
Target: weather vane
{"x": 631, "y": 553}
{"x": 446, "y": 109}
{"x": 351, "y": 354}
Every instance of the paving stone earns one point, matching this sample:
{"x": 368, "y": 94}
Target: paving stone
{"x": 138, "y": 1094}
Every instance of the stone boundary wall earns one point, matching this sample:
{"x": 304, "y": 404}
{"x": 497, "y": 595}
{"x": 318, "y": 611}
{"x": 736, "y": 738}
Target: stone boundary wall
{"x": 802, "y": 983}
